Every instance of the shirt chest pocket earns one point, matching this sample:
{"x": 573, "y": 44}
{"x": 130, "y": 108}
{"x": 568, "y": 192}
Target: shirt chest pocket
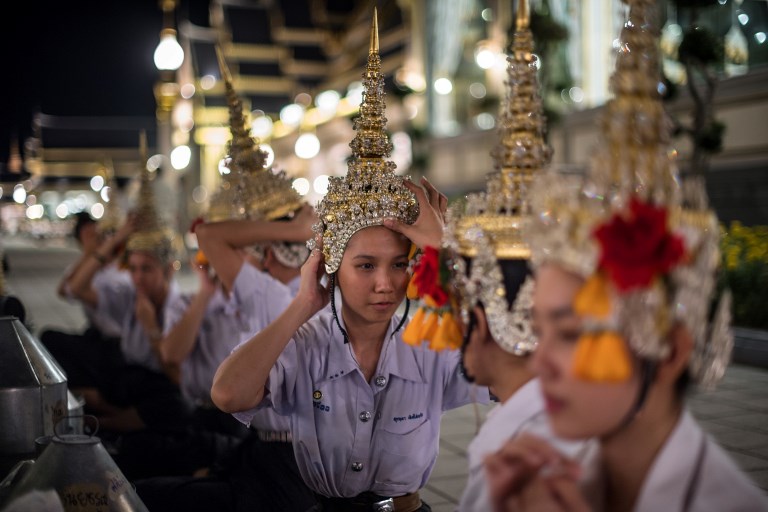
{"x": 405, "y": 455}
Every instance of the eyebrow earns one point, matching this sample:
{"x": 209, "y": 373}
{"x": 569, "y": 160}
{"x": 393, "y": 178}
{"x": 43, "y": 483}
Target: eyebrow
{"x": 369, "y": 257}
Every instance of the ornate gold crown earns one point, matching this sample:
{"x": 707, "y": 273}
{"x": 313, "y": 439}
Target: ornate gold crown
{"x": 151, "y": 235}
{"x": 647, "y": 246}
{"x": 249, "y": 190}
{"x": 370, "y": 192}
{"x": 487, "y": 227}
{"x": 113, "y": 216}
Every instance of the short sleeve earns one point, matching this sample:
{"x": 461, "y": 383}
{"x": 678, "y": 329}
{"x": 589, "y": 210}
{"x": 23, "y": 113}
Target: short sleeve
{"x": 457, "y": 390}
{"x": 259, "y": 296}
{"x": 114, "y": 300}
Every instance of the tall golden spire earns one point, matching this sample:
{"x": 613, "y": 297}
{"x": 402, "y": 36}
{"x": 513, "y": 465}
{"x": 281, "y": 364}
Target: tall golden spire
{"x": 249, "y": 190}
{"x": 520, "y": 153}
{"x": 151, "y": 235}
{"x": 370, "y": 192}
{"x": 629, "y": 212}
{"x": 371, "y": 141}
{"x": 488, "y": 227}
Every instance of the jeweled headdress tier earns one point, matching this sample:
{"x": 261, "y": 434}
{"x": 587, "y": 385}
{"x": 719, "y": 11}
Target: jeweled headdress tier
{"x": 370, "y": 192}
{"x": 486, "y": 228}
{"x": 250, "y": 189}
{"x": 647, "y": 247}
{"x": 151, "y": 235}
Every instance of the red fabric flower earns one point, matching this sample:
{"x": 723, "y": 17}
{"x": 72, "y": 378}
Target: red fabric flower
{"x": 637, "y": 249}
{"x": 426, "y": 276}
{"x": 196, "y": 223}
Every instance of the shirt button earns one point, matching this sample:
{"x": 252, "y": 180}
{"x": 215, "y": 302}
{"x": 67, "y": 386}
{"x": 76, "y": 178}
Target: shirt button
{"x": 365, "y": 416}
{"x": 381, "y": 381}
{"x": 357, "y": 466}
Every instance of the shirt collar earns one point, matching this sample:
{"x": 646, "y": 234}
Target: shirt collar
{"x": 670, "y": 476}
{"x": 396, "y": 358}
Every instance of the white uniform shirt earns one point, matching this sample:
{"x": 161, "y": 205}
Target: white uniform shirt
{"x": 108, "y": 276}
{"x": 692, "y": 473}
{"x": 257, "y": 300}
{"x": 351, "y": 436}
{"x": 118, "y": 303}
{"x": 220, "y": 331}
{"x": 522, "y": 412}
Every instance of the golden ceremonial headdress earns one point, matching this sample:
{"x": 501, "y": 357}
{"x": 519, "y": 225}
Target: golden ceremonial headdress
{"x": 370, "y": 192}
{"x": 151, "y": 235}
{"x": 486, "y": 227}
{"x": 250, "y": 189}
{"x": 647, "y": 246}
{"x": 113, "y": 216}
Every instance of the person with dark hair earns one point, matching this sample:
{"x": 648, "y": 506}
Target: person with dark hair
{"x": 364, "y": 408}
{"x": 252, "y": 243}
{"x": 625, "y": 262}
{"x": 100, "y": 329}
{"x": 483, "y": 277}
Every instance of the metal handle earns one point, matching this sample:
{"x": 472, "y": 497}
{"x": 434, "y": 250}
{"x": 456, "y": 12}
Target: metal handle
{"x": 92, "y": 434}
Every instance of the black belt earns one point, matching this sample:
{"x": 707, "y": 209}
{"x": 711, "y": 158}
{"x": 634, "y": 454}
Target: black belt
{"x": 272, "y": 436}
{"x": 370, "y": 502}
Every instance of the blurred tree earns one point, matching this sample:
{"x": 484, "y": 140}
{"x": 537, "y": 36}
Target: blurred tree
{"x": 701, "y": 52}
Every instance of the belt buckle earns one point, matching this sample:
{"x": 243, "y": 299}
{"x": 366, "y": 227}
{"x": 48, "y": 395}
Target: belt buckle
{"x": 387, "y": 505}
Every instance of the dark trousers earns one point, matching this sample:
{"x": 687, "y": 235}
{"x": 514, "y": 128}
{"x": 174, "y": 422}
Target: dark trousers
{"x": 258, "y": 476}
{"x": 92, "y": 361}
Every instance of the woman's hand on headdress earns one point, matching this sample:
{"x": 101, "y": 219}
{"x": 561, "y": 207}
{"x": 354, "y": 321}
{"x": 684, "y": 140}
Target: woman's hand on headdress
{"x": 428, "y": 228}
{"x": 312, "y": 292}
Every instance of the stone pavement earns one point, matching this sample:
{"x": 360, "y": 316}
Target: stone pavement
{"x": 736, "y": 413}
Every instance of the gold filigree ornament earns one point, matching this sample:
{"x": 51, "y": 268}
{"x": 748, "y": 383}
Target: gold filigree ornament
{"x": 630, "y": 219}
{"x": 486, "y": 228}
{"x": 370, "y": 192}
{"x": 152, "y": 235}
{"x": 249, "y": 190}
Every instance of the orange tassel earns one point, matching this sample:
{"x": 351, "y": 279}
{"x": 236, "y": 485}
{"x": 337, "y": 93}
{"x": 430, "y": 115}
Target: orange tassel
{"x": 201, "y": 258}
{"x": 448, "y": 335}
{"x": 412, "y": 292}
{"x": 430, "y": 302}
{"x": 602, "y": 357}
{"x": 412, "y": 332}
{"x": 594, "y": 298}
{"x": 455, "y": 339}
{"x": 430, "y": 327}
{"x": 412, "y": 251}
{"x": 440, "y": 340}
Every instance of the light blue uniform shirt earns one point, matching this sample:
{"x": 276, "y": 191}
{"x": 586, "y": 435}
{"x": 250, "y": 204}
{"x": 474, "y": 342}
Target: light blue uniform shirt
{"x": 118, "y": 303}
{"x": 108, "y": 276}
{"x": 351, "y": 436}
{"x": 256, "y": 301}
{"x": 220, "y": 331}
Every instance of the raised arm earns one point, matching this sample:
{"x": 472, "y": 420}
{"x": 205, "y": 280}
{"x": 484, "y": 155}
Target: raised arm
{"x": 79, "y": 282}
{"x": 239, "y": 382}
{"x": 220, "y": 241}
{"x": 179, "y": 342}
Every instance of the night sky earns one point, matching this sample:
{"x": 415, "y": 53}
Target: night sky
{"x": 83, "y": 58}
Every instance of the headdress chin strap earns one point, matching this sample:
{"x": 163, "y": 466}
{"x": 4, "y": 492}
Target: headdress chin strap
{"x": 332, "y": 289}
{"x": 647, "y": 374}
{"x": 462, "y": 367}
